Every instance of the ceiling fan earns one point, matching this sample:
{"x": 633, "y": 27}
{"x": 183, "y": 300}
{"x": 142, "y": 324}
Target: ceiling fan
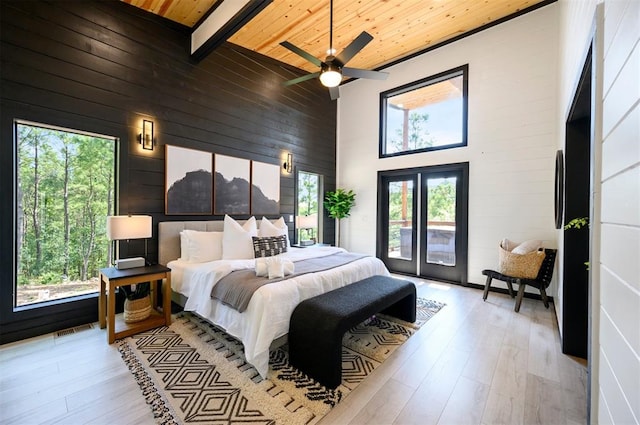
{"x": 333, "y": 68}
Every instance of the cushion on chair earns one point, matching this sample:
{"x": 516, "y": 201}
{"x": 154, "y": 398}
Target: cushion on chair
{"x": 527, "y": 247}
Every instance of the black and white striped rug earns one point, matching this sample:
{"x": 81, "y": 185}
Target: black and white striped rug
{"x": 194, "y": 373}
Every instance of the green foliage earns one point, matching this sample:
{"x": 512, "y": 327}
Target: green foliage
{"x": 416, "y": 135}
{"x": 396, "y": 191}
{"x": 308, "y": 184}
{"x": 577, "y": 223}
{"x": 442, "y": 201}
{"x": 65, "y": 191}
{"x": 339, "y": 203}
{"x": 49, "y": 277}
{"x": 307, "y": 193}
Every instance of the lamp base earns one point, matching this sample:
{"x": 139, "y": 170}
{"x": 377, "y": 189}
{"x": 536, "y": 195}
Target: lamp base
{"x": 129, "y": 263}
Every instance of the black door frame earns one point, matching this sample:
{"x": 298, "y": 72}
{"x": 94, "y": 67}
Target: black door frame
{"x": 459, "y": 273}
{"x": 395, "y": 264}
{"x": 577, "y": 203}
{"x": 462, "y": 219}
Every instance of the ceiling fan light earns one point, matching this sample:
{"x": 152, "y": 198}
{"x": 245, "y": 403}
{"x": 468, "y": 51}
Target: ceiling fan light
{"x": 330, "y": 78}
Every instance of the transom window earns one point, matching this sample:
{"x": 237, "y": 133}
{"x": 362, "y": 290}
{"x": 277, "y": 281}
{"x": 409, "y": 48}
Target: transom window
{"x": 425, "y": 115}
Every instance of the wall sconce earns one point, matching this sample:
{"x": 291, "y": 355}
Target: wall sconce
{"x": 288, "y": 164}
{"x": 146, "y": 137}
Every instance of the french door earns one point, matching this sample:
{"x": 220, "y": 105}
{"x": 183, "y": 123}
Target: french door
{"x": 422, "y": 225}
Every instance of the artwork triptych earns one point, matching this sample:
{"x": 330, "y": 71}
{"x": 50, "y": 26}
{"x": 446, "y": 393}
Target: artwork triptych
{"x": 202, "y": 183}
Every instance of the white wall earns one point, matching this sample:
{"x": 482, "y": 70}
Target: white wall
{"x": 619, "y": 320}
{"x": 615, "y": 269}
{"x": 511, "y": 140}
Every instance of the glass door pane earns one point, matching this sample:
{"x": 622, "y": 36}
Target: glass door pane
{"x": 440, "y": 240}
{"x": 400, "y": 226}
{"x": 443, "y": 236}
{"x": 397, "y": 227}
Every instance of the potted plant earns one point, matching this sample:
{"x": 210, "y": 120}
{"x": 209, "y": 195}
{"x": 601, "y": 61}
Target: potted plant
{"x": 137, "y": 303}
{"x": 578, "y": 223}
{"x": 339, "y": 204}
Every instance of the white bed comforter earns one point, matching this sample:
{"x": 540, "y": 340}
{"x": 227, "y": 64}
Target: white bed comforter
{"x": 267, "y": 316}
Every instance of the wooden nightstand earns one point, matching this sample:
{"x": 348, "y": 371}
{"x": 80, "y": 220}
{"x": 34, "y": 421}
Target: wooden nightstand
{"x": 111, "y": 278}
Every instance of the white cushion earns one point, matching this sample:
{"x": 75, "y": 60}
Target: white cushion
{"x": 276, "y": 267}
{"x": 236, "y": 240}
{"x": 527, "y": 247}
{"x": 508, "y": 245}
{"x": 200, "y": 247}
{"x": 184, "y": 247}
{"x": 277, "y": 228}
{"x": 262, "y": 268}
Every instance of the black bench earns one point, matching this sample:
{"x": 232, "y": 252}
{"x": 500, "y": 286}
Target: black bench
{"x": 318, "y": 324}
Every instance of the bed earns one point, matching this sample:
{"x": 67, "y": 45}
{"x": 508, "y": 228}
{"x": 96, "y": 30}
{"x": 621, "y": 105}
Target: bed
{"x": 267, "y": 314}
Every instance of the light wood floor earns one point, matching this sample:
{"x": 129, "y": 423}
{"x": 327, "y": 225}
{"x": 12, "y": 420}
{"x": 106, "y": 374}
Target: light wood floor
{"x": 473, "y": 363}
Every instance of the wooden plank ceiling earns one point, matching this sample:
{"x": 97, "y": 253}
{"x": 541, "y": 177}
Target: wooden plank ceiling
{"x": 399, "y": 27}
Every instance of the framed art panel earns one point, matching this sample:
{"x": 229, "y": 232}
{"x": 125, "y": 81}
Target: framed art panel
{"x": 265, "y": 188}
{"x": 231, "y": 185}
{"x": 188, "y": 181}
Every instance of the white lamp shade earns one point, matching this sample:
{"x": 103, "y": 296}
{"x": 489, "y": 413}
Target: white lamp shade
{"x": 307, "y": 221}
{"x": 121, "y": 227}
{"x": 330, "y": 78}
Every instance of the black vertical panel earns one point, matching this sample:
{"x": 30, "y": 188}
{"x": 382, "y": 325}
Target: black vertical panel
{"x": 103, "y": 66}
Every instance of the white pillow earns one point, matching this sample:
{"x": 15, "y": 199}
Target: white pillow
{"x": 508, "y": 245}
{"x": 184, "y": 250}
{"x": 277, "y": 228}
{"x": 236, "y": 240}
{"x": 262, "y": 268}
{"x": 200, "y": 247}
{"x": 527, "y": 247}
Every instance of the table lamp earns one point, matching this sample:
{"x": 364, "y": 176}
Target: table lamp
{"x": 126, "y": 227}
{"x": 307, "y": 222}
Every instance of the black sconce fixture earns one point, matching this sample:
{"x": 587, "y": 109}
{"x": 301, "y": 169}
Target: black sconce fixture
{"x": 146, "y": 137}
{"x": 288, "y": 164}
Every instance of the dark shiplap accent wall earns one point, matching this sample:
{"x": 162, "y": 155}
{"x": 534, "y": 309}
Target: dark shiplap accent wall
{"x": 103, "y": 66}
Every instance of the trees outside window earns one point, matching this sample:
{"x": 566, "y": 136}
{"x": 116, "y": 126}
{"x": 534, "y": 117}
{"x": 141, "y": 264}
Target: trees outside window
{"x": 65, "y": 190}
{"x": 307, "y": 216}
{"x": 425, "y": 115}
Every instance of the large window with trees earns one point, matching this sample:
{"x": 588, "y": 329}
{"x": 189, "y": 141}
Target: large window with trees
{"x": 308, "y": 208}
{"x": 65, "y": 190}
{"x": 425, "y": 115}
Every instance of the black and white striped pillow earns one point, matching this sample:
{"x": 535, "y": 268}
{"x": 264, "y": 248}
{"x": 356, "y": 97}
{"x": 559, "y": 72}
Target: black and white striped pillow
{"x": 269, "y": 246}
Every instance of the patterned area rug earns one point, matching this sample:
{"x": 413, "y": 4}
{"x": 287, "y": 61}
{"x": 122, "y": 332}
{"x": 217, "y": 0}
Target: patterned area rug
{"x": 193, "y": 373}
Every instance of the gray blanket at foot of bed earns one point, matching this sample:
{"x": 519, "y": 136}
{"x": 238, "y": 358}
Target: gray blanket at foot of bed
{"x": 237, "y": 288}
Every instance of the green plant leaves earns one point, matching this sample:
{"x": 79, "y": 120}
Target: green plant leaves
{"x": 339, "y": 203}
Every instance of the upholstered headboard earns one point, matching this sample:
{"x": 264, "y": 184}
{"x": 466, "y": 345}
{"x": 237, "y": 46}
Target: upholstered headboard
{"x": 169, "y": 235}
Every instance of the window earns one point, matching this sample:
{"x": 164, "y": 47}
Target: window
{"x": 65, "y": 190}
{"x": 309, "y": 206}
{"x": 426, "y": 115}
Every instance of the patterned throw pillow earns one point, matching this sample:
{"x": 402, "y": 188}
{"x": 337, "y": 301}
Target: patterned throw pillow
{"x": 269, "y": 246}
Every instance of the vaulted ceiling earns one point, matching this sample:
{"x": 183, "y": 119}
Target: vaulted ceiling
{"x": 399, "y": 27}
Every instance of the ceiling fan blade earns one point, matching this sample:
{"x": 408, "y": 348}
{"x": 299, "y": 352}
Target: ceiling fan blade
{"x": 364, "y": 73}
{"x": 334, "y": 92}
{"x": 299, "y": 51}
{"x": 301, "y": 79}
{"x": 356, "y": 45}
